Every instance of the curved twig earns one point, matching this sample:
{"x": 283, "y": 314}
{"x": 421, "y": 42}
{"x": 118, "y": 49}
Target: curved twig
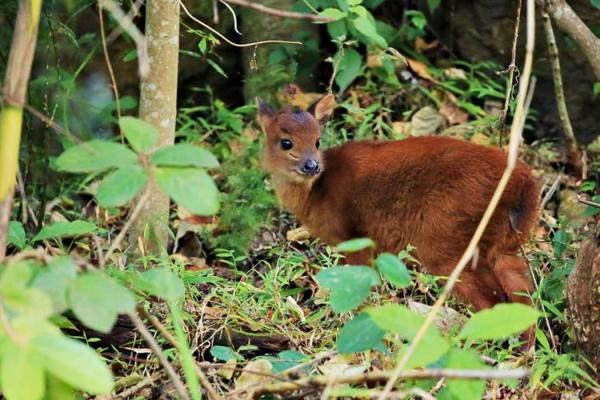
{"x": 278, "y": 13}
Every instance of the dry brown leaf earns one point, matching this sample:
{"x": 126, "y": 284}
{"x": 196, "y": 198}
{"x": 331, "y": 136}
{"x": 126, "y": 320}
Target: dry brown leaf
{"x": 249, "y": 381}
{"x": 421, "y": 44}
{"x": 401, "y": 127}
{"x": 425, "y": 122}
{"x": 453, "y": 114}
{"x": 294, "y": 96}
{"x": 374, "y": 60}
{"x": 421, "y": 69}
{"x": 455, "y": 73}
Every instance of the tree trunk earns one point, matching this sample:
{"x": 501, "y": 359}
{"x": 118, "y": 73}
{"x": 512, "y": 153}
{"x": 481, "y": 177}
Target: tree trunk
{"x": 158, "y": 106}
{"x": 583, "y": 292}
{"x": 265, "y": 76}
{"x": 11, "y": 118}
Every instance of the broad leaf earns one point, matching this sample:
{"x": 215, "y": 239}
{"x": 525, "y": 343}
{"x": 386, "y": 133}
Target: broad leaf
{"x": 73, "y": 362}
{"x": 191, "y": 188}
{"x": 224, "y": 353}
{"x": 65, "y": 229}
{"x": 367, "y": 28}
{"x": 22, "y": 377}
{"x": 140, "y": 134}
{"x": 97, "y": 300}
{"x": 287, "y": 359}
{"x": 332, "y": 13}
{"x": 349, "y": 286}
{"x": 428, "y": 351}
{"x": 465, "y": 389}
{"x": 120, "y": 186}
{"x": 393, "y": 270}
{"x": 499, "y": 322}
{"x": 349, "y": 66}
{"x": 359, "y": 334}
{"x": 54, "y": 281}
{"x": 16, "y": 234}
{"x": 95, "y": 156}
{"x": 354, "y": 245}
{"x": 184, "y": 155}
{"x": 161, "y": 282}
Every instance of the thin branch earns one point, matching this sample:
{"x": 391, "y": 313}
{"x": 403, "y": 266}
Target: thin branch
{"x": 515, "y": 138}
{"x": 588, "y": 202}
{"x": 129, "y": 27}
{"x": 134, "y": 214}
{"x": 225, "y": 38}
{"x": 278, "y": 13}
{"x": 573, "y": 148}
{"x": 139, "y": 325}
{"x": 570, "y": 23}
{"x": 511, "y": 68}
{"x": 233, "y": 15}
{"x": 109, "y": 67}
{"x": 382, "y": 376}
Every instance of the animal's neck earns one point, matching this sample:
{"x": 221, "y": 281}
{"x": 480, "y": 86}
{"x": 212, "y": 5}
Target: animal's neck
{"x": 293, "y": 195}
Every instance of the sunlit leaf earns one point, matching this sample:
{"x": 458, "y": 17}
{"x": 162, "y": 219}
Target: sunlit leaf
{"x": 94, "y": 156}
{"x": 120, "y": 186}
{"x": 191, "y": 188}
{"x": 349, "y": 286}
{"x": 359, "y": 334}
{"x": 140, "y": 134}
{"x": 393, "y": 270}
{"x": 184, "y": 155}
{"x": 161, "y": 282}
{"x": 22, "y": 377}
{"x": 65, "y": 229}
{"x": 499, "y": 322}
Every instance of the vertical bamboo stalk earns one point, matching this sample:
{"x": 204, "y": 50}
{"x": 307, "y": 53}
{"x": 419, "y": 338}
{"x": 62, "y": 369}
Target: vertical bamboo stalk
{"x": 18, "y": 71}
{"x": 158, "y": 106}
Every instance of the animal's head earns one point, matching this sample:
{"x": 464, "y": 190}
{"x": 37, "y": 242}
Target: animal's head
{"x": 293, "y": 138}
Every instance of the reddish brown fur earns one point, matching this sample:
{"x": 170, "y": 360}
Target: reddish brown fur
{"x": 430, "y": 192}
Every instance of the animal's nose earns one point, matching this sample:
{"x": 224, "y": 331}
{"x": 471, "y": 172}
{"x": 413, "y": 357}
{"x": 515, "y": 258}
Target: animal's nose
{"x": 310, "y": 167}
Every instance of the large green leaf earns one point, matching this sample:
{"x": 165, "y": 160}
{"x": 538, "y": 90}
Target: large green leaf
{"x": 54, "y": 281}
{"x": 73, "y": 362}
{"x": 16, "y": 234}
{"x": 393, "y": 270}
{"x": 224, "y": 353}
{"x": 359, "y": 334}
{"x": 120, "y": 186}
{"x": 367, "y": 27}
{"x": 22, "y": 377}
{"x": 191, "y": 188}
{"x": 97, "y": 300}
{"x": 65, "y": 229}
{"x": 184, "y": 155}
{"x": 161, "y": 282}
{"x": 499, "y": 322}
{"x": 349, "y": 286}
{"x": 95, "y": 156}
{"x": 465, "y": 389}
{"x": 349, "y": 66}
{"x": 140, "y": 134}
{"x": 354, "y": 245}
{"x": 332, "y": 13}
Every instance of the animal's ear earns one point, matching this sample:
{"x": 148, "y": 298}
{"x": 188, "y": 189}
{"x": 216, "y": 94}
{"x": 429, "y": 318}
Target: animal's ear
{"x": 265, "y": 112}
{"x": 323, "y": 109}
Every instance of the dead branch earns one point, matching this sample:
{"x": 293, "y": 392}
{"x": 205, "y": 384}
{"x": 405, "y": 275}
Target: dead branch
{"x": 383, "y": 376}
{"x": 575, "y": 157}
{"x": 570, "y": 23}
{"x": 278, "y": 13}
{"x": 515, "y": 137}
{"x": 511, "y": 68}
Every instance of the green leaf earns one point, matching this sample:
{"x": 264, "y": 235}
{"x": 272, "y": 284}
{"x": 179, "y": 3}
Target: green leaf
{"x": 595, "y": 3}
{"x": 337, "y": 29}
{"x": 140, "y": 134}
{"x": 367, "y": 28}
{"x": 16, "y": 234}
{"x": 22, "y": 377}
{"x": 465, "y": 389}
{"x": 184, "y": 155}
{"x": 499, "y": 322}
{"x": 560, "y": 241}
{"x": 393, "y": 270}
{"x": 428, "y": 351}
{"x": 161, "y": 282}
{"x": 15, "y": 277}
{"x": 191, "y": 188}
{"x": 73, "y": 362}
{"x": 349, "y": 66}
{"x": 120, "y": 186}
{"x": 95, "y": 156}
{"x": 65, "y": 229}
{"x": 349, "y": 286}
{"x": 596, "y": 88}
{"x": 97, "y": 300}
{"x": 359, "y": 334}
{"x": 58, "y": 390}
{"x": 433, "y": 5}
{"x": 224, "y": 353}
{"x": 354, "y": 245}
{"x": 216, "y": 67}
{"x": 332, "y": 13}
{"x": 54, "y": 281}
{"x": 286, "y": 359}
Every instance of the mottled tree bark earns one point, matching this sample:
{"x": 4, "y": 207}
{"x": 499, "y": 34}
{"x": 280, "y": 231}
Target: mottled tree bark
{"x": 158, "y": 106}
{"x": 263, "y": 76}
{"x": 584, "y": 299}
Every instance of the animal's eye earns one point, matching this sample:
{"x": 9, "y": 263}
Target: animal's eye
{"x": 286, "y": 144}
{"x": 318, "y": 144}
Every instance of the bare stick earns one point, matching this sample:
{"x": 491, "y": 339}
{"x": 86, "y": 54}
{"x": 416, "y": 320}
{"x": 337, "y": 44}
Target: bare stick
{"x": 227, "y": 40}
{"x": 573, "y": 149}
{"x": 139, "y": 325}
{"x": 278, "y": 13}
{"x": 382, "y": 376}
{"x": 570, "y": 23}
{"x": 515, "y": 138}
{"x": 233, "y": 15}
{"x": 511, "y": 68}
{"x": 109, "y": 67}
{"x": 134, "y": 214}
{"x": 129, "y": 27}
